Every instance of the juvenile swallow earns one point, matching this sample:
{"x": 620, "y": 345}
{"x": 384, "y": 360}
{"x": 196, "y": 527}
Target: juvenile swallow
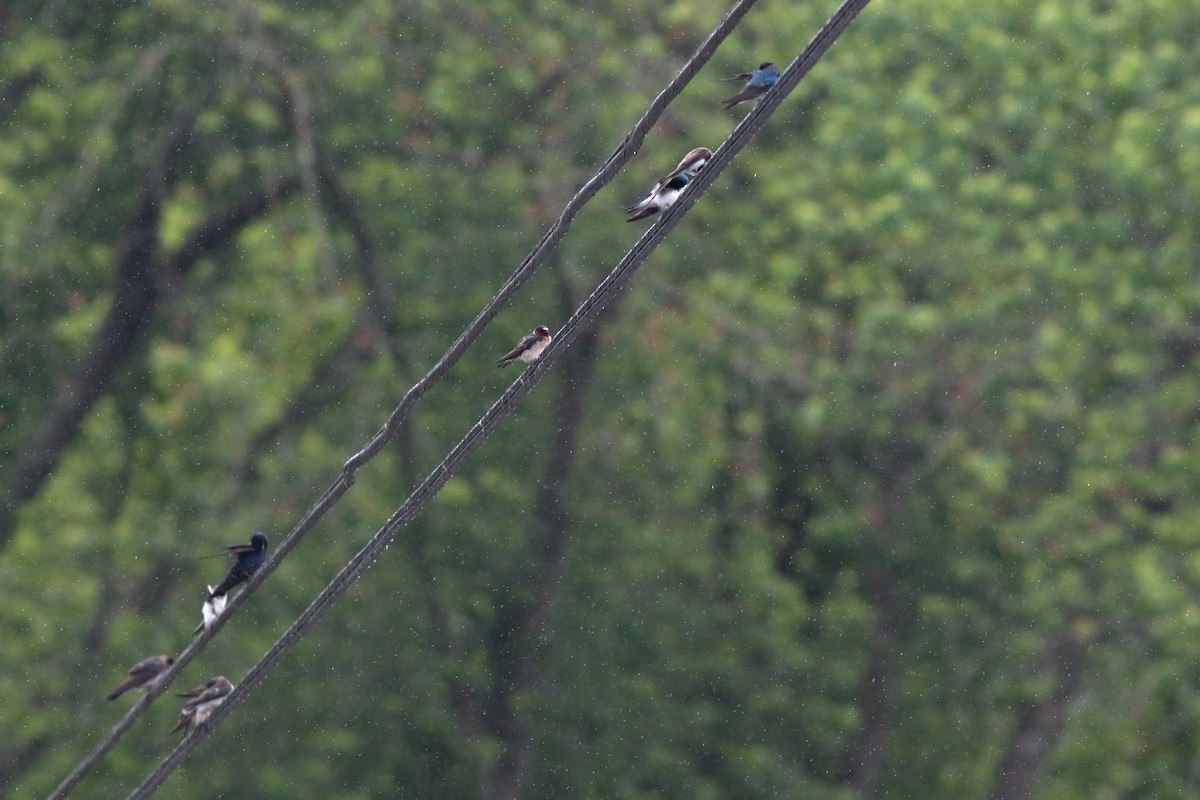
{"x": 667, "y": 191}
{"x": 142, "y": 675}
{"x": 213, "y": 607}
{"x": 529, "y": 349}
{"x": 757, "y": 84}
{"x": 248, "y": 558}
{"x": 202, "y": 701}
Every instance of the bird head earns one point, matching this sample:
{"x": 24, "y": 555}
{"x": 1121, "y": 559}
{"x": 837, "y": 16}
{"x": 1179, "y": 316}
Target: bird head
{"x": 259, "y": 540}
{"x": 694, "y": 160}
{"x": 542, "y": 330}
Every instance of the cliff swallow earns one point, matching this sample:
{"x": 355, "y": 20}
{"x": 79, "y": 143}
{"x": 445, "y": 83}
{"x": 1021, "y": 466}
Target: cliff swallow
{"x": 529, "y": 349}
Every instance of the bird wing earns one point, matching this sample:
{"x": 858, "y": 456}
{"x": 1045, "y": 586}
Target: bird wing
{"x": 526, "y": 342}
{"x": 653, "y": 196}
{"x": 670, "y": 176}
{"x": 218, "y": 688}
{"x": 147, "y": 668}
{"x": 741, "y": 76}
{"x": 185, "y": 719}
{"x": 240, "y": 549}
{"x": 208, "y": 695}
{"x": 199, "y": 690}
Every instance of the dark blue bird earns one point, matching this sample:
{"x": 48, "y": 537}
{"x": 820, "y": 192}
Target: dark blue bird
{"x": 758, "y": 83}
{"x": 249, "y": 557}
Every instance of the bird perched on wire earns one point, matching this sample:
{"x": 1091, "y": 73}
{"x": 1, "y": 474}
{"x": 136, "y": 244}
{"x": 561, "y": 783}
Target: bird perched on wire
{"x": 670, "y": 186}
{"x": 143, "y": 675}
{"x": 247, "y": 559}
{"x": 213, "y": 607}
{"x": 758, "y": 83}
{"x": 529, "y": 349}
{"x": 202, "y": 701}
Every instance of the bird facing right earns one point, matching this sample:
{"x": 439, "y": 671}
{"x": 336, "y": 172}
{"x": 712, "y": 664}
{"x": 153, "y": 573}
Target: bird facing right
{"x": 670, "y": 186}
{"x": 529, "y": 349}
{"x": 202, "y": 701}
{"x": 248, "y": 558}
{"x": 142, "y": 675}
{"x": 758, "y": 83}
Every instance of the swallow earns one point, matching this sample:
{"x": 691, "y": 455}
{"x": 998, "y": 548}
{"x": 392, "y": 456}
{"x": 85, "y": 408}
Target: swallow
{"x": 213, "y": 607}
{"x": 529, "y": 349}
{"x": 248, "y": 558}
{"x": 202, "y": 701}
{"x": 143, "y": 675}
{"x": 758, "y": 83}
{"x": 667, "y": 190}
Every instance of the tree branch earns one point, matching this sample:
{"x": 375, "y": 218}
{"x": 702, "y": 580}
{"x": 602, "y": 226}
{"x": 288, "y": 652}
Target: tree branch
{"x": 141, "y": 284}
{"x": 135, "y": 294}
{"x": 1040, "y": 722}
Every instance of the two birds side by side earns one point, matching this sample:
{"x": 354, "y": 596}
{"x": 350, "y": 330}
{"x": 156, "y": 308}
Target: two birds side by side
{"x": 201, "y": 702}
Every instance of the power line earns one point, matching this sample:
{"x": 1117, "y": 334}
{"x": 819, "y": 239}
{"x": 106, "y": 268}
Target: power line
{"x": 609, "y": 289}
{"x": 619, "y": 157}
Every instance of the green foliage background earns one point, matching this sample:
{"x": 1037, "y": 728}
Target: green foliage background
{"x": 909, "y": 400}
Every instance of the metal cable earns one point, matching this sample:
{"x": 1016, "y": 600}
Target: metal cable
{"x": 620, "y": 156}
{"x": 608, "y": 289}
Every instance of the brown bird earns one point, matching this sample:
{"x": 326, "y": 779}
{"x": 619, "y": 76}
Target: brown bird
{"x": 142, "y": 675}
{"x": 529, "y": 349}
{"x": 202, "y": 701}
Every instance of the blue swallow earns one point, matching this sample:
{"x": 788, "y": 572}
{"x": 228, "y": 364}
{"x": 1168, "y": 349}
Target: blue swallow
{"x": 202, "y": 701}
{"x": 143, "y": 675}
{"x": 667, "y": 190}
{"x": 529, "y": 349}
{"x": 758, "y": 83}
{"x": 249, "y": 557}
{"x": 212, "y": 607}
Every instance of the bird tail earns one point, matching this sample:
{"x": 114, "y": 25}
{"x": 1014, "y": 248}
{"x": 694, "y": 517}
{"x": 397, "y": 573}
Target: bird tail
{"x": 641, "y": 213}
{"x": 223, "y": 587}
{"x": 184, "y": 720}
{"x": 740, "y": 97}
{"x": 120, "y": 690}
